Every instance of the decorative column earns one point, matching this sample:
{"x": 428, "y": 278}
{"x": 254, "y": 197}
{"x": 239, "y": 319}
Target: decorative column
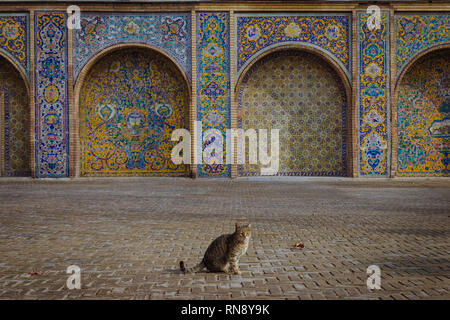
{"x": 51, "y": 95}
{"x": 373, "y": 98}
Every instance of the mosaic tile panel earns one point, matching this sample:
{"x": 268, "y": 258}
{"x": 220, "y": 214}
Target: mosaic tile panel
{"x": 167, "y": 32}
{"x": 15, "y": 121}
{"x": 51, "y": 107}
{"x": 299, "y": 94}
{"x": 423, "y": 118}
{"x": 130, "y": 103}
{"x": 257, "y": 32}
{"x": 373, "y": 96}
{"x": 213, "y": 86}
{"x": 419, "y": 32}
{"x": 14, "y": 38}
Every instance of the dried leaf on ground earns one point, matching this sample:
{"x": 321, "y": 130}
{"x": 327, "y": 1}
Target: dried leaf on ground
{"x": 36, "y": 272}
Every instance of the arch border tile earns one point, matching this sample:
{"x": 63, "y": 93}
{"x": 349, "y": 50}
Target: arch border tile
{"x": 373, "y": 97}
{"x": 275, "y": 40}
{"x": 109, "y": 31}
{"x": 51, "y": 116}
{"x": 425, "y": 31}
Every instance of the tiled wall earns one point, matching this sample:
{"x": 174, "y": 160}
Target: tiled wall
{"x": 225, "y": 45}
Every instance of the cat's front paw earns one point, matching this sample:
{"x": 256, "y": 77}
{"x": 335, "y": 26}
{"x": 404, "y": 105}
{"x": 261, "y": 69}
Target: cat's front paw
{"x": 236, "y": 272}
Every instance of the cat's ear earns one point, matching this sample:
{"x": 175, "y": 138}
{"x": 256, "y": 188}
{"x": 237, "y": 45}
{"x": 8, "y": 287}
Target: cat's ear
{"x": 249, "y": 225}
{"x": 237, "y": 226}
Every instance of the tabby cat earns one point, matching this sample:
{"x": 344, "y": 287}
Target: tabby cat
{"x": 223, "y": 253}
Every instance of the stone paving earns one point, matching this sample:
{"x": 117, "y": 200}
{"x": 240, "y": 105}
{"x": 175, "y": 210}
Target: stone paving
{"x": 128, "y": 235}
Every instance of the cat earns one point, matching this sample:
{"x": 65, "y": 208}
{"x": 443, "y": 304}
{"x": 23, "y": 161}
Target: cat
{"x": 224, "y": 252}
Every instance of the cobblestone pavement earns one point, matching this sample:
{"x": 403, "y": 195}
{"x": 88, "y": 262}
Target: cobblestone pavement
{"x": 128, "y": 235}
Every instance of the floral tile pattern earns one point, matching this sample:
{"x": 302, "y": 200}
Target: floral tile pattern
{"x": 213, "y": 90}
{"x": 167, "y": 32}
{"x": 130, "y": 103}
{"x": 373, "y": 96}
{"x": 15, "y": 121}
{"x": 14, "y": 38}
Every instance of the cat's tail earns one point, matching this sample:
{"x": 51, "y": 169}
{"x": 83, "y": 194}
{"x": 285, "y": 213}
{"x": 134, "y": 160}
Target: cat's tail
{"x": 197, "y": 268}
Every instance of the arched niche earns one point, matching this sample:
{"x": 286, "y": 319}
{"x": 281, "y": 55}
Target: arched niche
{"x": 130, "y": 99}
{"x": 15, "y": 121}
{"x": 422, "y": 116}
{"x": 307, "y": 96}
